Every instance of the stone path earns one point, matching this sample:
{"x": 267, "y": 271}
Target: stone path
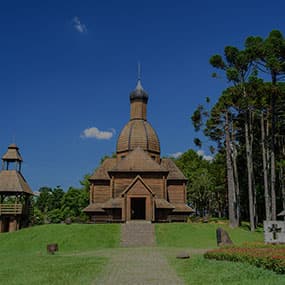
{"x": 138, "y": 266}
{"x": 138, "y": 233}
{"x": 138, "y": 261}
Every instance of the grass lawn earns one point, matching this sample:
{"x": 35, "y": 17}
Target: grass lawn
{"x": 198, "y": 235}
{"x": 25, "y": 261}
{"x": 200, "y": 271}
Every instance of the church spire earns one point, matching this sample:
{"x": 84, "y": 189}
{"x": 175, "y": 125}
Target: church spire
{"x": 138, "y": 99}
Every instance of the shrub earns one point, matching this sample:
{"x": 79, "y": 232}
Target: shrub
{"x": 268, "y": 257}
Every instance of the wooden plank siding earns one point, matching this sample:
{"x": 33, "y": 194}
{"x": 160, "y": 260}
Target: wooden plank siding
{"x": 120, "y": 184}
{"x": 176, "y": 193}
{"x": 156, "y": 186}
{"x": 101, "y": 193}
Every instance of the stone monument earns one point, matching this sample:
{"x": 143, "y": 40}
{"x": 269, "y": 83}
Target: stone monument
{"x": 274, "y": 232}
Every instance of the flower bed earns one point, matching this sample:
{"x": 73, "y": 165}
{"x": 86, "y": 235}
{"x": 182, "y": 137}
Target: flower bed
{"x": 268, "y": 257}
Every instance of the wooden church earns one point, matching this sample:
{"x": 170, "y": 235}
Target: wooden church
{"x": 138, "y": 184}
{"x": 15, "y": 193}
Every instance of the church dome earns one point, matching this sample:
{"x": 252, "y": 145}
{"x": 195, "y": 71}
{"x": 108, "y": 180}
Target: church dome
{"x": 138, "y": 133}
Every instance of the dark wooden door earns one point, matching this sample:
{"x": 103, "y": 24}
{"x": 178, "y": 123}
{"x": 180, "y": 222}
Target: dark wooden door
{"x": 138, "y": 208}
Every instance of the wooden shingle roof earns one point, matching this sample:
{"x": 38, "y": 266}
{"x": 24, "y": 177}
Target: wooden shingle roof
{"x": 13, "y": 181}
{"x": 101, "y": 173}
{"x": 95, "y": 207}
{"x": 12, "y": 153}
{"x": 138, "y": 161}
{"x": 163, "y": 204}
{"x": 138, "y": 133}
{"x": 182, "y": 208}
{"x": 113, "y": 203}
{"x": 174, "y": 172}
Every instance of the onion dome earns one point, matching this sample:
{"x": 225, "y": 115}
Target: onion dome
{"x": 139, "y": 93}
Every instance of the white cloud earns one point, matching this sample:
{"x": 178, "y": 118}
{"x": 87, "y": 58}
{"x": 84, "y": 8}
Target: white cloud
{"x": 206, "y": 157}
{"x": 97, "y": 134}
{"x": 78, "y": 25}
{"x": 176, "y": 154}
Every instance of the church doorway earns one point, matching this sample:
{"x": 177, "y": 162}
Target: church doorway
{"x": 138, "y": 208}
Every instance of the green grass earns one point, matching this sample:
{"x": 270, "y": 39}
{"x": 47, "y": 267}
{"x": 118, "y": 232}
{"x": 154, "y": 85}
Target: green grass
{"x": 70, "y": 238}
{"x": 197, "y": 235}
{"x": 50, "y": 270}
{"x": 200, "y": 271}
{"x": 24, "y": 259}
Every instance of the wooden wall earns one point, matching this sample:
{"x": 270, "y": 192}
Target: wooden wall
{"x": 176, "y": 192}
{"x": 100, "y": 191}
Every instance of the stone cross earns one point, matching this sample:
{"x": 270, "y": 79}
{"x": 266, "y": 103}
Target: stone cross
{"x": 274, "y": 229}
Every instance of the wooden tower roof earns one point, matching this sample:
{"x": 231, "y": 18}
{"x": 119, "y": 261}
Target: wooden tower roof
{"x": 12, "y": 154}
{"x": 12, "y": 181}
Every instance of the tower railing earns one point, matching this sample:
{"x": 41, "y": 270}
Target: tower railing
{"x": 12, "y": 209}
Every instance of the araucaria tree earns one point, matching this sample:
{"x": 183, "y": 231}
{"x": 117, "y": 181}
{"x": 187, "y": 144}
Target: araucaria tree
{"x": 247, "y": 122}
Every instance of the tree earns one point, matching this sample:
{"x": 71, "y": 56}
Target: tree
{"x": 73, "y": 201}
{"x": 220, "y": 128}
{"x": 269, "y": 56}
{"x": 200, "y": 186}
{"x": 44, "y": 201}
{"x": 238, "y": 67}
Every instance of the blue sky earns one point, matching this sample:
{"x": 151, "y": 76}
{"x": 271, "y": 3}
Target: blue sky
{"x": 67, "y": 66}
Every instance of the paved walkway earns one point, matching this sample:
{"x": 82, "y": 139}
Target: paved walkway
{"x": 138, "y": 266}
{"x": 137, "y": 233}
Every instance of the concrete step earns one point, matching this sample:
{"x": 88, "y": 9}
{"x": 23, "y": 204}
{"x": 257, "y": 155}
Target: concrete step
{"x": 137, "y": 233}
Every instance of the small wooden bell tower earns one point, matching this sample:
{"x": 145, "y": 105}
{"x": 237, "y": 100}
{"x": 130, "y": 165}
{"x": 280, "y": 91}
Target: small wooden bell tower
{"x": 15, "y": 193}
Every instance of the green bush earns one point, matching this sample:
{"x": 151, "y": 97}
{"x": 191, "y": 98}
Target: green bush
{"x": 272, "y": 258}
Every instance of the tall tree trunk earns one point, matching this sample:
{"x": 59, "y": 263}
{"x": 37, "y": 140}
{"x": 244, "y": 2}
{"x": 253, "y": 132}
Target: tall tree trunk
{"x": 265, "y": 171}
{"x": 282, "y": 178}
{"x": 236, "y": 179}
{"x": 230, "y": 177}
{"x": 272, "y": 149}
{"x": 282, "y": 181}
{"x": 273, "y": 179}
{"x": 249, "y": 173}
{"x": 251, "y": 120}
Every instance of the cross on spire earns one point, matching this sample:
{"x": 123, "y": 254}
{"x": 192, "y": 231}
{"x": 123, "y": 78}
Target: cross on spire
{"x": 139, "y": 84}
{"x": 139, "y": 70}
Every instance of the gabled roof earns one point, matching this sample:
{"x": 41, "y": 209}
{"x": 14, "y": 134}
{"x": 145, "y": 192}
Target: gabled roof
{"x": 138, "y": 178}
{"x": 138, "y": 161}
{"x": 101, "y": 173}
{"x": 174, "y": 172}
{"x": 13, "y": 181}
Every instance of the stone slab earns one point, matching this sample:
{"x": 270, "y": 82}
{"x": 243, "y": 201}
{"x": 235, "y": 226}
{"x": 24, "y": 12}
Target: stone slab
{"x": 274, "y": 231}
